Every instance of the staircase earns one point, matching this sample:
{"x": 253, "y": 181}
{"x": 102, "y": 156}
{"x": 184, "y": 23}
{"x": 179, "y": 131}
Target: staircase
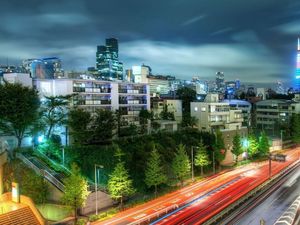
{"x": 22, "y": 216}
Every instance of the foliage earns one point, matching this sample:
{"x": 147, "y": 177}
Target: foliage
{"x": 103, "y": 125}
{"x": 295, "y": 128}
{"x": 253, "y": 145}
{"x": 166, "y": 115}
{"x": 120, "y": 184}
{"x": 76, "y": 190}
{"x": 54, "y": 111}
{"x": 188, "y": 120}
{"x": 31, "y": 184}
{"x": 187, "y": 95}
{"x": 51, "y": 148}
{"x": 201, "y": 158}
{"x": 144, "y": 117}
{"x": 236, "y": 147}
{"x": 154, "y": 174}
{"x": 78, "y": 121}
{"x": 263, "y": 144}
{"x": 181, "y": 165}
{"x": 18, "y": 109}
{"x": 219, "y": 147}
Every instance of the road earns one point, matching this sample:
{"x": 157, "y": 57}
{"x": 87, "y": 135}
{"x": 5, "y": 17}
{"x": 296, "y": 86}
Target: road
{"x": 198, "y": 202}
{"x": 276, "y": 204}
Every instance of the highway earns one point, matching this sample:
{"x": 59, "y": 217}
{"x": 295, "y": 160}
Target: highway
{"x": 276, "y": 204}
{"x": 198, "y": 202}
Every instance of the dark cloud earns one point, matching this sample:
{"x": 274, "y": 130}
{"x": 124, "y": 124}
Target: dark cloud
{"x": 246, "y": 39}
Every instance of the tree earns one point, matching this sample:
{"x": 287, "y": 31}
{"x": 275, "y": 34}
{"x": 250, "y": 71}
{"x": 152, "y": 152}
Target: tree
{"x": 295, "y": 128}
{"x": 219, "y": 147}
{"x": 166, "y": 115}
{"x": 201, "y": 158}
{"x": 236, "y": 147}
{"x": 18, "y": 109}
{"x": 144, "y": 117}
{"x": 104, "y": 125}
{"x": 263, "y": 144}
{"x": 76, "y": 190}
{"x": 188, "y": 120}
{"x": 54, "y": 111}
{"x": 154, "y": 174}
{"x": 253, "y": 145}
{"x": 79, "y": 121}
{"x": 181, "y": 165}
{"x": 119, "y": 183}
{"x": 187, "y": 95}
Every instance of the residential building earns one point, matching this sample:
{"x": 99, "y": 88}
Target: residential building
{"x": 213, "y": 114}
{"x": 244, "y": 106}
{"x": 274, "y": 114}
{"x": 128, "y": 98}
{"x": 173, "y": 105}
{"x": 107, "y": 60}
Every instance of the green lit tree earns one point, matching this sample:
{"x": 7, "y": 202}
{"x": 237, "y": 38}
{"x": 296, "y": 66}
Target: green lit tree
{"x": 181, "y": 165}
{"x": 119, "y": 183}
{"x": 154, "y": 174}
{"x": 263, "y": 144}
{"x": 253, "y": 145}
{"x": 236, "y": 147}
{"x": 76, "y": 190}
{"x": 202, "y": 158}
{"x": 19, "y": 107}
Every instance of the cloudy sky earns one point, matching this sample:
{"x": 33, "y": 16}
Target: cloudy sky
{"x": 252, "y": 40}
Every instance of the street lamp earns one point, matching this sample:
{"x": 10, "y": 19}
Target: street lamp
{"x": 96, "y": 188}
{"x": 192, "y": 156}
{"x": 214, "y": 163}
{"x": 270, "y": 166}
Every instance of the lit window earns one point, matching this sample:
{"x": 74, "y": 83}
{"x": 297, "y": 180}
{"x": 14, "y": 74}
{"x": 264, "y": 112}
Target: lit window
{"x": 196, "y": 109}
{"x": 203, "y": 109}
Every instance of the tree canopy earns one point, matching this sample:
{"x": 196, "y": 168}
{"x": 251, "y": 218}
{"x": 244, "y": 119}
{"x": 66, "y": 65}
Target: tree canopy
{"x": 236, "y": 147}
{"x": 19, "y": 107}
{"x": 201, "y": 158}
{"x": 154, "y": 173}
{"x": 181, "y": 164}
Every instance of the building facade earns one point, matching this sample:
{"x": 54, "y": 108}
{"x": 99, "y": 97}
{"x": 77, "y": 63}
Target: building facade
{"x": 173, "y": 105}
{"x": 107, "y": 61}
{"x": 273, "y": 114}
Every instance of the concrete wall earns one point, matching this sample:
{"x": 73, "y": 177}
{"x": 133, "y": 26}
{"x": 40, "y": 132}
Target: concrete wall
{"x": 104, "y": 201}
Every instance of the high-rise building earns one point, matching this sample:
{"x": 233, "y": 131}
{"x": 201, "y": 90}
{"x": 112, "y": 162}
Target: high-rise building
{"x": 107, "y": 61}
{"x": 298, "y": 67}
{"x": 45, "y": 68}
{"x": 220, "y": 82}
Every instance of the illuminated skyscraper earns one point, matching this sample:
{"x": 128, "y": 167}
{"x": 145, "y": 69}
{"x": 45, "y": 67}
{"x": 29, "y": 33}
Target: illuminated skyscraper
{"x": 108, "y": 64}
{"x": 298, "y": 66}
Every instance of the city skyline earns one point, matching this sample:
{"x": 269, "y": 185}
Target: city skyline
{"x": 254, "y": 42}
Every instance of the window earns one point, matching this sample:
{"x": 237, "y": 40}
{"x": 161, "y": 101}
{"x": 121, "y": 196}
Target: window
{"x": 203, "y": 109}
{"x": 196, "y": 109}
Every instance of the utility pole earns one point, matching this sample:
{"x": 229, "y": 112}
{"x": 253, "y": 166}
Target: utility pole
{"x": 214, "y": 163}
{"x": 96, "y": 188}
{"x": 270, "y": 168}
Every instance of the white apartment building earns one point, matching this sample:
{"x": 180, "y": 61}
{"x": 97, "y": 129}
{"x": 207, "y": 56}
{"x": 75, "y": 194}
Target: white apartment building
{"x": 127, "y": 97}
{"x": 213, "y": 114}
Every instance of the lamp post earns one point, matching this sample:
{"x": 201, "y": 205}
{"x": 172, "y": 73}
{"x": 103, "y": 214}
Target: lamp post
{"x": 270, "y": 166}
{"x": 192, "y": 156}
{"x": 281, "y": 138}
{"x": 63, "y": 156}
{"x": 214, "y": 163}
{"x": 96, "y": 188}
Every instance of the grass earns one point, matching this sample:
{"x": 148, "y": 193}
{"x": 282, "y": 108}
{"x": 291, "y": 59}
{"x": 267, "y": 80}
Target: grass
{"x": 54, "y": 212}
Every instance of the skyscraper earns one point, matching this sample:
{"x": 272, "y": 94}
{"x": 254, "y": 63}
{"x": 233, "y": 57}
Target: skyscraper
{"x": 298, "y": 67}
{"x": 220, "y": 82}
{"x": 107, "y": 60}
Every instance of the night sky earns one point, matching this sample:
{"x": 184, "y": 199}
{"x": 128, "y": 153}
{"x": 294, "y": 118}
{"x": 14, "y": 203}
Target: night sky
{"x": 252, "y": 40}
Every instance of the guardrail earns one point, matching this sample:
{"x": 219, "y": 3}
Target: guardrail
{"x": 253, "y": 192}
{"x": 42, "y": 172}
{"x": 289, "y": 216}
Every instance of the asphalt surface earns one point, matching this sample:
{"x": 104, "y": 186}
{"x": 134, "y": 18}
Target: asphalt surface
{"x": 276, "y": 204}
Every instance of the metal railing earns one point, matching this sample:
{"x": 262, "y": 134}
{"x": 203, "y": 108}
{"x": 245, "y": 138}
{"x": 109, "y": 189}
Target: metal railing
{"x": 42, "y": 172}
{"x": 289, "y": 216}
